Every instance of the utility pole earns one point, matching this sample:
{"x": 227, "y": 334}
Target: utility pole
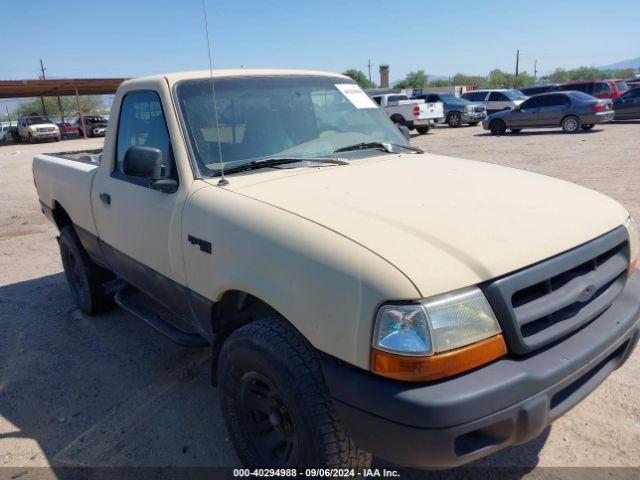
{"x": 535, "y": 69}
{"x": 369, "y": 66}
{"x": 42, "y": 77}
{"x": 517, "y": 61}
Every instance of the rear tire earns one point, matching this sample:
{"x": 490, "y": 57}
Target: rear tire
{"x": 498, "y": 127}
{"x": 276, "y": 405}
{"x": 422, "y": 130}
{"x": 85, "y": 278}
{"x": 587, "y": 127}
{"x": 571, "y": 124}
{"x": 454, "y": 120}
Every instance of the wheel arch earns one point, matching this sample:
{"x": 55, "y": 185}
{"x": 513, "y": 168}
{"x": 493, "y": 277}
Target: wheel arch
{"x": 235, "y": 309}
{"x": 60, "y": 215}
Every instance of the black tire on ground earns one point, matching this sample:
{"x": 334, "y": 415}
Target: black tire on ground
{"x": 473, "y": 124}
{"x": 454, "y": 120}
{"x": 85, "y": 278}
{"x": 515, "y": 130}
{"x": 30, "y": 138}
{"x": 276, "y": 405}
{"x": 423, "y": 130}
{"x": 497, "y": 127}
{"x": 58, "y": 139}
{"x": 571, "y": 124}
{"x": 587, "y": 127}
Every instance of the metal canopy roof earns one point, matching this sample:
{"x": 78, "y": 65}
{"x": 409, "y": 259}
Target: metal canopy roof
{"x": 59, "y": 86}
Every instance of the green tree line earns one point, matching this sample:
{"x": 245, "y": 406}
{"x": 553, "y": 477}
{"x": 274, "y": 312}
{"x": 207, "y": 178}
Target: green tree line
{"x": 88, "y": 103}
{"x": 496, "y": 78}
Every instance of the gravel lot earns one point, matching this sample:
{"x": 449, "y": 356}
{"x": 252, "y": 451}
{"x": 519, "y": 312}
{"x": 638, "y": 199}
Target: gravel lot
{"x": 109, "y": 391}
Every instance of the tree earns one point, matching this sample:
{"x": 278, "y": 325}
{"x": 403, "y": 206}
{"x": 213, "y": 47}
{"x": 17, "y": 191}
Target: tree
{"x": 417, "y": 79}
{"x": 462, "y": 79}
{"x": 359, "y": 77}
{"x": 88, "y": 103}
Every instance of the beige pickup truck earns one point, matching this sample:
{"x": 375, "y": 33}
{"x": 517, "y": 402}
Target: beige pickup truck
{"x": 359, "y": 296}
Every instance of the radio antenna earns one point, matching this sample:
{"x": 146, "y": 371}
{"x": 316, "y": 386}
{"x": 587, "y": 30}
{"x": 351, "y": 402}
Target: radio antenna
{"x": 223, "y": 181}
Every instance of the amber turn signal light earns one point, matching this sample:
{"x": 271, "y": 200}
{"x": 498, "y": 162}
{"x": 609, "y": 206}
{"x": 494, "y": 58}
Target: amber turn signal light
{"x": 442, "y": 365}
{"x": 632, "y": 266}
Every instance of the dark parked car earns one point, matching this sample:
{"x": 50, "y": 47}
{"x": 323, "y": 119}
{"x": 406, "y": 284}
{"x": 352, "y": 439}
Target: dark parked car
{"x": 596, "y": 88}
{"x": 536, "y": 89}
{"x": 96, "y": 125}
{"x": 627, "y": 105}
{"x": 570, "y": 110}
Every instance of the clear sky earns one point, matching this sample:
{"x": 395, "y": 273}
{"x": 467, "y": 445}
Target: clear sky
{"x": 139, "y": 37}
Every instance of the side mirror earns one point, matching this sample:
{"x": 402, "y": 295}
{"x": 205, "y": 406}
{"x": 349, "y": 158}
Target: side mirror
{"x": 404, "y": 130}
{"x": 165, "y": 185}
{"x": 144, "y": 162}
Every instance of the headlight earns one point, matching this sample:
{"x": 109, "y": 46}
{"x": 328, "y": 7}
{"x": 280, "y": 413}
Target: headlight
{"x": 634, "y": 245}
{"x": 467, "y": 109}
{"x": 437, "y": 337}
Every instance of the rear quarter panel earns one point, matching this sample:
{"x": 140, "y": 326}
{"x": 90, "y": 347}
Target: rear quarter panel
{"x": 68, "y": 183}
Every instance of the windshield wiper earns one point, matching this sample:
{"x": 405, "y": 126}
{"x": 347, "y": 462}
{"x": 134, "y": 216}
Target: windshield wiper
{"x": 275, "y": 161}
{"x": 384, "y": 146}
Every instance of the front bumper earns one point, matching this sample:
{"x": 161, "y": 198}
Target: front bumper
{"x": 473, "y": 117}
{"x": 508, "y": 402}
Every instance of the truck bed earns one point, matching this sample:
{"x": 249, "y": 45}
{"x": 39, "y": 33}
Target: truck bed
{"x": 64, "y": 181}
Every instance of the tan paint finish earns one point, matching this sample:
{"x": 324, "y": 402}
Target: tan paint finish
{"x": 326, "y": 246}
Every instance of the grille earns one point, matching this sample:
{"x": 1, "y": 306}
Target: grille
{"x": 479, "y": 109}
{"x": 45, "y": 129}
{"x": 543, "y": 303}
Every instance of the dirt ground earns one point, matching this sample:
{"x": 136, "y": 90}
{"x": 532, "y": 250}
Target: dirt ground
{"x": 109, "y": 391}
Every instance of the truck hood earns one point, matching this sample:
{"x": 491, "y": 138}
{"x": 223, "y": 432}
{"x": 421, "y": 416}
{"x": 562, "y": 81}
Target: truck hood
{"x": 446, "y": 223}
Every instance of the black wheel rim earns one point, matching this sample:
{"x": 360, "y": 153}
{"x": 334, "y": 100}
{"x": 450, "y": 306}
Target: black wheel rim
{"x": 268, "y": 421}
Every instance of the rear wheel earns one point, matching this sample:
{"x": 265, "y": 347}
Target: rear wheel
{"x": 454, "y": 120}
{"x": 587, "y": 127}
{"x": 85, "y": 278}
{"x": 422, "y": 130}
{"x": 571, "y": 124}
{"x": 276, "y": 404}
{"x": 497, "y": 127}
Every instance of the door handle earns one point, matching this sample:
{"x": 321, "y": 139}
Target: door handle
{"x": 106, "y": 198}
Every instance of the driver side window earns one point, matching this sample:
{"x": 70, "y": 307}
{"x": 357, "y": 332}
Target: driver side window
{"x": 142, "y": 123}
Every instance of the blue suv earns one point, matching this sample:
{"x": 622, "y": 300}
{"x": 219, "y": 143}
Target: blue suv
{"x": 457, "y": 110}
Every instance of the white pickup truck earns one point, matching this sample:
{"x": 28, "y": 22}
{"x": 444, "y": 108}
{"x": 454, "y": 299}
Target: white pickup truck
{"x": 412, "y": 113}
{"x": 358, "y": 296}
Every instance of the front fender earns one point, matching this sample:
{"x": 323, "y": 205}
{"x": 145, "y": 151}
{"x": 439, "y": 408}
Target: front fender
{"x": 326, "y": 285}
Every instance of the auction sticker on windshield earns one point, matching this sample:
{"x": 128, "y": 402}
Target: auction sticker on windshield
{"x": 356, "y": 95}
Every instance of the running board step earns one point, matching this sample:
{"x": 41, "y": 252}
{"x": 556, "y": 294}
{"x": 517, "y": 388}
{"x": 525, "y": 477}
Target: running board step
{"x": 143, "y": 307}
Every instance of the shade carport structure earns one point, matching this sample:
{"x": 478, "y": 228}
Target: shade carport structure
{"x": 60, "y": 87}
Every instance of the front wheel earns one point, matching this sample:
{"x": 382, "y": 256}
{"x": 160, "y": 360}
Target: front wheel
{"x": 422, "y": 130}
{"x": 497, "y": 127}
{"x": 454, "y": 120}
{"x": 571, "y": 124}
{"x": 276, "y": 404}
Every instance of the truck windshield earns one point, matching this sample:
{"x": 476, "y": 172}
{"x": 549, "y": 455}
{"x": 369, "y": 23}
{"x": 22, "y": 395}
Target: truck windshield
{"x": 37, "y": 120}
{"x": 297, "y": 116}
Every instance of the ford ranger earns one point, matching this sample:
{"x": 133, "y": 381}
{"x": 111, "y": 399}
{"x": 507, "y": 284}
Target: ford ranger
{"x": 359, "y": 296}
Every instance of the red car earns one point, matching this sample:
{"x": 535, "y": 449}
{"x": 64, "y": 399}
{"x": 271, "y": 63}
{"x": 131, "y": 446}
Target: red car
{"x": 68, "y": 130}
{"x": 597, "y": 88}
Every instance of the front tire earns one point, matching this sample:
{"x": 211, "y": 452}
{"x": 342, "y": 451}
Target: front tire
{"x": 454, "y": 120}
{"x": 422, "y": 130}
{"x": 571, "y": 124}
{"x": 276, "y": 404}
{"x": 498, "y": 127}
{"x": 84, "y": 277}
